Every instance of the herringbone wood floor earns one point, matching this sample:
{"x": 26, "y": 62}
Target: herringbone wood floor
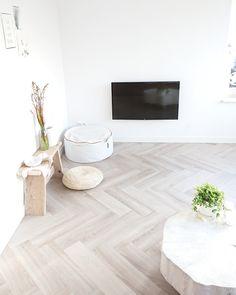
{"x": 107, "y": 240}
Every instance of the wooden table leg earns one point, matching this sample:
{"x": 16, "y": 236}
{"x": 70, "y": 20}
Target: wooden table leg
{"x": 57, "y": 164}
{"x": 35, "y": 195}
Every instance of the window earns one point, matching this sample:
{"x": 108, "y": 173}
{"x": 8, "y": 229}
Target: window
{"x": 232, "y": 48}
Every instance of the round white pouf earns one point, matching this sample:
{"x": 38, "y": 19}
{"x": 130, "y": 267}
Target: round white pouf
{"x": 82, "y": 178}
{"x": 88, "y": 143}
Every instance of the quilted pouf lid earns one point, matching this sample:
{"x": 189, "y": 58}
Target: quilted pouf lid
{"x": 82, "y": 178}
{"x": 87, "y": 134}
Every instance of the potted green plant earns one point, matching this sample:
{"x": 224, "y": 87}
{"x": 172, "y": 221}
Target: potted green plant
{"x": 208, "y": 200}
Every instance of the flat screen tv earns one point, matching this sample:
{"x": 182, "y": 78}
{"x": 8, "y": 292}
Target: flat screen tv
{"x": 145, "y": 100}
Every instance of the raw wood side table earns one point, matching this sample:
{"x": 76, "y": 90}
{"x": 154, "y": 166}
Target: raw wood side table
{"x": 36, "y": 179}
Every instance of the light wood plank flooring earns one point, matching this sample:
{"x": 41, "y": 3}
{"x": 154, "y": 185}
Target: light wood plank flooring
{"x": 107, "y": 240}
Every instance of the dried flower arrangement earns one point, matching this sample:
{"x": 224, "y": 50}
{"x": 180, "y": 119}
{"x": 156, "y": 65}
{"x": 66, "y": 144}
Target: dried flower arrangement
{"x": 37, "y": 98}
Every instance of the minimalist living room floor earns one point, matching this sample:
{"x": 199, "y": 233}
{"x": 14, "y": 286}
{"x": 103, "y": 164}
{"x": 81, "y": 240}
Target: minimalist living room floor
{"x": 107, "y": 240}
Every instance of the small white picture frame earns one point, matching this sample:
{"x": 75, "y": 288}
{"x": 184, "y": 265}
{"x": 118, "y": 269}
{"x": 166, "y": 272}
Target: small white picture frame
{"x": 8, "y": 30}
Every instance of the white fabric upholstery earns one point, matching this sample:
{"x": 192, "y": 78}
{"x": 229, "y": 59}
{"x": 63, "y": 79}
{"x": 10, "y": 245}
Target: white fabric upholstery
{"x": 88, "y": 143}
{"x": 87, "y": 134}
{"x": 82, "y": 178}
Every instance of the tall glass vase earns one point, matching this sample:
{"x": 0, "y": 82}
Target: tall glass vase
{"x": 43, "y": 140}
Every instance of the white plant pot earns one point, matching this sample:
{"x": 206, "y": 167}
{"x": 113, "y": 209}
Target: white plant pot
{"x": 206, "y": 211}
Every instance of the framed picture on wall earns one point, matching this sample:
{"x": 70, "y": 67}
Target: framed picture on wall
{"x": 8, "y": 26}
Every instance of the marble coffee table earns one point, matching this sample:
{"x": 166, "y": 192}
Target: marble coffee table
{"x": 199, "y": 257}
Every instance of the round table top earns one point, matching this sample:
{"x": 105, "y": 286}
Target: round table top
{"x": 204, "y": 250}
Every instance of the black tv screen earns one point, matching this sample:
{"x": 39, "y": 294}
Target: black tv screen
{"x": 145, "y": 100}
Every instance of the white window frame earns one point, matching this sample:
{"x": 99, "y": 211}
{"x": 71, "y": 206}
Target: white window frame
{"x": 232, "y": 45}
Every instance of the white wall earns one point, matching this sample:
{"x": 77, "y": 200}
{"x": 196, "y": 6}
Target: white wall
{"x": 149, "y": 40}
{"x": 17, "y": 135}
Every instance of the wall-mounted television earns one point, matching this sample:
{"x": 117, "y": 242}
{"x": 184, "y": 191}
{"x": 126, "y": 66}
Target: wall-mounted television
{"x": 145, "y": 100}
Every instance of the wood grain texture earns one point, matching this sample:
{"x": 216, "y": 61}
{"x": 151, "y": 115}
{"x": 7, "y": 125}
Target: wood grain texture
{"x": 107, "y": 240}
{"x": 35, "y": 195}
{"x": 36, "y": 178}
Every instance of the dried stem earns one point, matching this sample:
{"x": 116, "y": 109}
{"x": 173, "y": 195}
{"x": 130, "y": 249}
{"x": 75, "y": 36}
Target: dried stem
{"x": 37, "y": 98}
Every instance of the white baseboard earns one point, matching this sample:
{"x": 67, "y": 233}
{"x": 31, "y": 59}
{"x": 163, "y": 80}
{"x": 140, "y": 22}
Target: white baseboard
{"x": 177, "y": 139}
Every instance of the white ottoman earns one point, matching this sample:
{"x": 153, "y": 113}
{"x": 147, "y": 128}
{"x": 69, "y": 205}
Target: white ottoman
{"x": 88, "y": 143}
{"x": 82, "y": 178}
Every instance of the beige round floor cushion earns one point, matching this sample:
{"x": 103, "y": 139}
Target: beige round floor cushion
{"x": 82, "y": 177}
